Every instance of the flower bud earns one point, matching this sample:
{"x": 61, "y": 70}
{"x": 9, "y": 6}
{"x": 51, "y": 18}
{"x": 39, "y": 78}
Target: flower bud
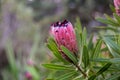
{"x": 64, "y": 35}
{"x": 117, "y": 6}
{"x": 28, "y": 76}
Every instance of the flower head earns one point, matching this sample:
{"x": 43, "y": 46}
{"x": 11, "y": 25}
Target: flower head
{"x": 117, "y": 6}
{"x": 64, "y": 35}
{"x": 28, "y": 75}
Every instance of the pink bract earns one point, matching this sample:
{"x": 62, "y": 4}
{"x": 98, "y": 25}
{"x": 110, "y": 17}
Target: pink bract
{"x": 64, "y": 34}
{"x": 117, "y": 6}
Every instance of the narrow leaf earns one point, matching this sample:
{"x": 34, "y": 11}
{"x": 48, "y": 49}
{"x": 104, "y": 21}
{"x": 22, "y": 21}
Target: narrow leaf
{"x": 84, "y": 36}
{"x": 97, "y": 49}
{"x": 11, "y": 59}
{"x": 103, "y": 69}
{"x": 114, "y": 60}
{"x": 53, "y": 47}
{"x": 112, "y": 8}
{"x": 90, "y": 43}
{"x": 111, "y": 44}
{"x": 85, "y": 56}
{"x": 69, "y": 54}
{"x": 78, "y": 25}
{"x": 57, "y": 67}
{"x": 106, "y": 21}
{"x": 117, "y": 17}
{"x": 33, "y": 72}
{"x": 66, "y": 76}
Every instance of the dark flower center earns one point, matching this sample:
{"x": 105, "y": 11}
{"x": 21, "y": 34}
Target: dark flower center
{"x": 61, "y": 24}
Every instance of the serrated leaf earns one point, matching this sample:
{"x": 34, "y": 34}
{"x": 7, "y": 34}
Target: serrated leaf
{"x": 85, "y": 56}
{"x": 69, "y": 54}
{"x": 66, "y": 76}
{"x": 57, "y": 67}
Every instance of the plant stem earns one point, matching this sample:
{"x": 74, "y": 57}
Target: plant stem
{"x": 84, "y": 74}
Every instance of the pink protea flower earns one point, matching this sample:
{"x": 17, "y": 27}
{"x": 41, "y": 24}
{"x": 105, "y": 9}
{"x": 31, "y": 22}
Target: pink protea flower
{"x": 117, "y": 6}
{"x": 64, "y": 34}
{"x": 28, "y": 76}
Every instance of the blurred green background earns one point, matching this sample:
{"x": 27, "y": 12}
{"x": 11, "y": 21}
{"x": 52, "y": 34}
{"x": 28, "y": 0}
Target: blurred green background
{"x": 24, "y": 28}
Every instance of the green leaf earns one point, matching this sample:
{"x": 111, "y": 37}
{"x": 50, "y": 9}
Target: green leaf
{"x": 100, "y": 60}
{"x": 107, "y": 28}
{"x": 114, "y": 60}
{"x": 33, "y": 72}
{"x": 109, "y": 18}
{"x": 106, "y": 21}
{"x": 112, "y": 20}
{"x": 50, "y": 79}
{"x": 117, "y": 17}
{"x": 78, "y": 31}
{"x": 78, "y": 25}
{"x": 53, "y": 47}
{"x": 90, "y": 43}
{"x": 92, "y": 77}
{"x": 35, "y": 45}
{"x": 112, "y": 45}
{"x": 114, "y": 77}
{"x": 78, "y": 37}
{"x": 57, "y": 67}
{"x": 69, "y": 54}
{"x": 66, "y": 76}
{"x": 103, "y": 69}
{"x": 97, "y": 49}
{"x": 84, "y": 36}
{"x": 11, "y": 59}
{"x": 85, "y": 56}
{"x": 112, "y": 8}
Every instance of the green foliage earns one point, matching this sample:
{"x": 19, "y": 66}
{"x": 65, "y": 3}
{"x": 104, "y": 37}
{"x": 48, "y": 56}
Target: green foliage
{"x": 33, "y": 72}
{"x": 97, "y": 49}
{"x": 104, "y": 68}
{"x": 69, "y": 54}
{"x": 11, "y": 59}
{"x": 89, "y": 62}
{"x": 66, "y": 76}
{"x": 95, "y": 60}
{"x": 85, "y": 57}
{"x": 53, "y": 47}
{"x": 57, "y": 67}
